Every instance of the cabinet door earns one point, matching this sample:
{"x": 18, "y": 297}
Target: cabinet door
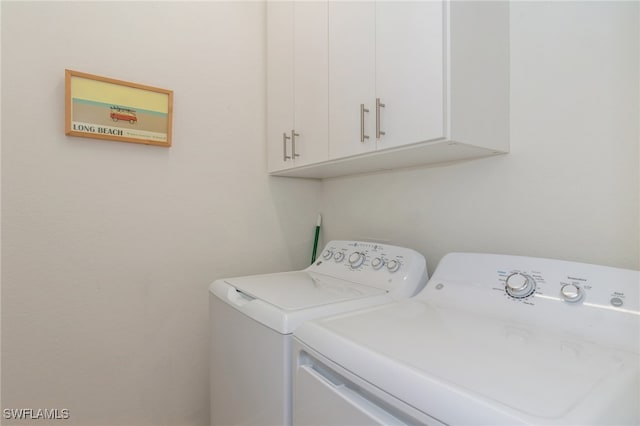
{"x": 410, "y": 71}
{"x": 311, "y": 82}
{"x": 351, "y": 77}
{"x": 297, "y": 84}
{"x": 279, "y": 84}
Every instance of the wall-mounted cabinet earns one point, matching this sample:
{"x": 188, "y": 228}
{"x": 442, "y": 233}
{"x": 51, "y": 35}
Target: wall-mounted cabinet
{"x": 386, "y": 75}
{"x": 297, "y": 88}
{"x": 384, "y": 85}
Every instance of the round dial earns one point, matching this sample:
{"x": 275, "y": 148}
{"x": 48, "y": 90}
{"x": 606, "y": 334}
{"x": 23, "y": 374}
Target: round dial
{"x": 571, "y": 293}
{"x": 327, "y": 255}
{"x": 377, "y": 263}
{"x": 393, "y": 265}
{"x": 520, "y": 285}
{"x": 356, "y": 259}
{"x": 339, "y": 256}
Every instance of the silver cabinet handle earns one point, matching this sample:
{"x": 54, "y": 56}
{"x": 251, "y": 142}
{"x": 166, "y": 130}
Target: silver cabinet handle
{"x": 362, "y": 111}
{"x": 293, "y": 144}
{"x": 285, "y": 157}
{"x": 378, "y": 106}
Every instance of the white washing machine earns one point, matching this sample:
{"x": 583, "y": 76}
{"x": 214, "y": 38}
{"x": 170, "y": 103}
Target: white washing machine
{"x": 253, "y": 318}
{"x": 491, "y": 340}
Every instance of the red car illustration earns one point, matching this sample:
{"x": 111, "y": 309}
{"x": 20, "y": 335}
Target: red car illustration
{"x": 123, "y": 114}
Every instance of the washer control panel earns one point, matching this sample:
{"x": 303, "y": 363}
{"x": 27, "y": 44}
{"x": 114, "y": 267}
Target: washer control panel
{"x": 361, "y": 255}
{"x": 398, "y": 269}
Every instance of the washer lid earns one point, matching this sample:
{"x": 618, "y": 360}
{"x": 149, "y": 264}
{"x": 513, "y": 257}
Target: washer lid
{"x": 292, "y": 291}
{"x": 464, "y": 368}
{"x": 283, "y": 301}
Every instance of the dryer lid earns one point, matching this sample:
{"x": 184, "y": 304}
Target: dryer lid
{"x": 435, "y": 359}
{"x": 293, "y": 291}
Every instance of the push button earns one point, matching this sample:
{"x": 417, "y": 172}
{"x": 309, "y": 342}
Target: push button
{"x": 617, "y": 302}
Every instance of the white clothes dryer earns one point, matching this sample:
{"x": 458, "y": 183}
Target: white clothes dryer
{"x": 491, "y": 340}
{"x": 253, "y": 318}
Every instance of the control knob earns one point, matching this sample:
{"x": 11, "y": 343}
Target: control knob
{"x": 327, "y": 254}
{"x": 571, "y": 293}
{"x": 339, "y": 256}
{"x": 377, "y": 263}
{"x": 520, "y": 285}
{"x": 393, "y": 265}
{"x": 356, "y": 259}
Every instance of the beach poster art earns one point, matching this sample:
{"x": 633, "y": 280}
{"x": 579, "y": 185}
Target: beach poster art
{"x": 105, "y": 108}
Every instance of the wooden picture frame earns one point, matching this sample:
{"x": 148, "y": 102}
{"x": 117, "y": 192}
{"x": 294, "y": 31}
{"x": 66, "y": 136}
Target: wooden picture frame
{"x": 106, "y": 108}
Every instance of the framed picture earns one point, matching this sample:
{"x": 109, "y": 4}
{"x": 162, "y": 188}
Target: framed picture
{"x": 105, "y": 108}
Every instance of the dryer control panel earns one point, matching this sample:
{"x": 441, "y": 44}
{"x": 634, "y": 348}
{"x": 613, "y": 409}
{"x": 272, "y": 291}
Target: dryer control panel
{"x": 575, "y": 287}
{"x": 599, "y": 301}
{"x": 400, "y": 270}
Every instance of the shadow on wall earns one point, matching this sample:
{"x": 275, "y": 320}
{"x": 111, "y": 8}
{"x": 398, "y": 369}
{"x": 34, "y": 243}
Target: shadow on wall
{"x": 297, "y": 205}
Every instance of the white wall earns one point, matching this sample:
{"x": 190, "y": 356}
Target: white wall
{"x": 568, "y": 189}
{"x": 108, "y": 248}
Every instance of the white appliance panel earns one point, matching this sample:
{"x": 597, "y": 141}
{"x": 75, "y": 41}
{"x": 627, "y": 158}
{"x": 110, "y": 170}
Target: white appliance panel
{"x": 334, "y": 396}
{"x": 543, "y": 357}
{"x": 232, "y": 393}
